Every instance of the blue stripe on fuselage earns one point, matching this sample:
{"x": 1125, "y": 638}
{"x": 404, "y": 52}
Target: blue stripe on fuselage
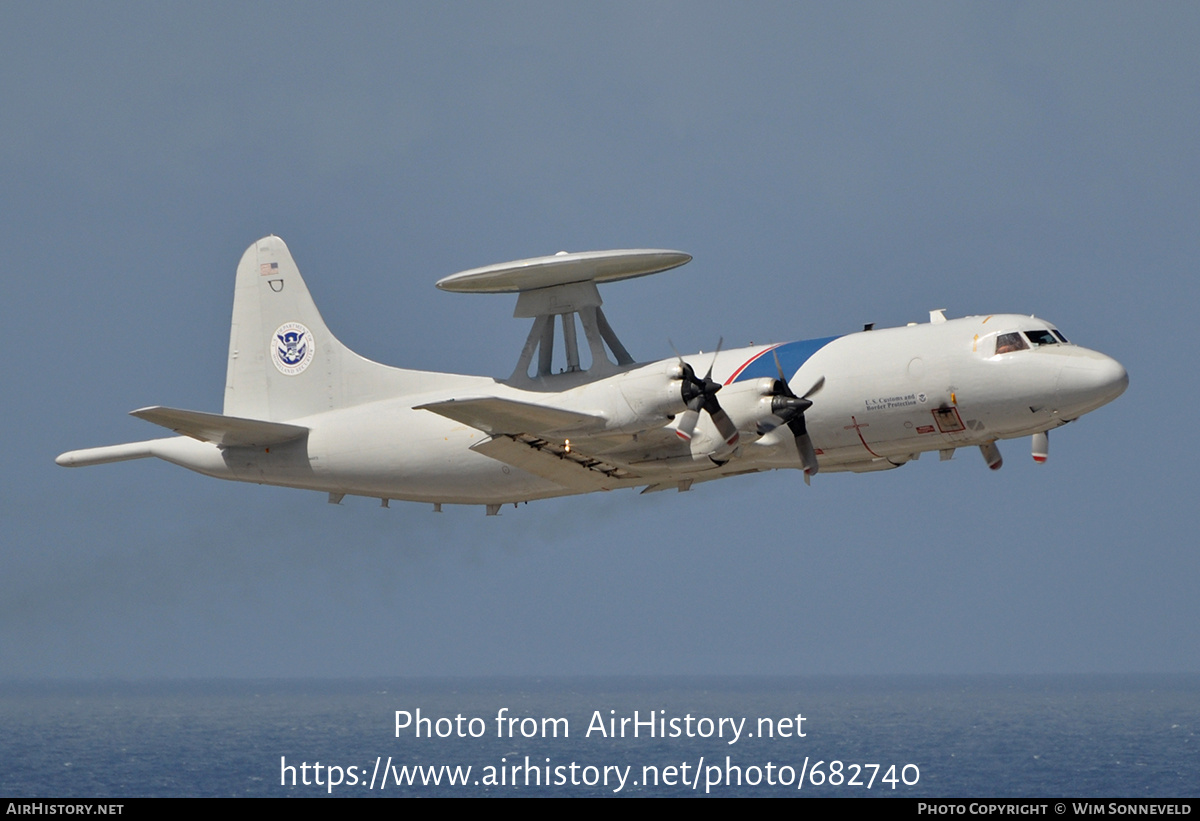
{"x": 791, "y": 356}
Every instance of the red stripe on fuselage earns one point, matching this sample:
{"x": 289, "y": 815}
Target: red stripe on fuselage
{"x": 749, "y": 362}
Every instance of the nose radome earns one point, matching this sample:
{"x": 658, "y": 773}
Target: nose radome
{"x": 1086, "y": 382}
{"x": 1113, "y": 377}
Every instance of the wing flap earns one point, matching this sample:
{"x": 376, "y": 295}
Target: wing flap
{"x": 225, "y": 431}
{"x": 494, "y": 415}
{"x": 556, "y": 463}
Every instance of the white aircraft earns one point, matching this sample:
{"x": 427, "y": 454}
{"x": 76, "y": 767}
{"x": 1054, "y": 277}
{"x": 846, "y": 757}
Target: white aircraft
{"x": 302, "y": 410}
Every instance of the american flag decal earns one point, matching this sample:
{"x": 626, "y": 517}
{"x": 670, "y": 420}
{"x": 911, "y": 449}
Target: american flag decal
{"x": 268, "y": 268}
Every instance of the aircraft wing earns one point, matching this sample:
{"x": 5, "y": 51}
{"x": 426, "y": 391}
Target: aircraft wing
{"x": 225, "y": 431}
{"x": 555, "y": 462}
{"x": 531, "y": 437}
{"x": 494, "y": 415}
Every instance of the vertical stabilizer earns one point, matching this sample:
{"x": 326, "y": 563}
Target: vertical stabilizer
{"x": 283, "y": 362}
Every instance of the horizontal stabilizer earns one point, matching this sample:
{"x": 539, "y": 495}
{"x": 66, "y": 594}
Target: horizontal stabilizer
{"x": 491, "y": 414}
{"x": 225, "y": 431}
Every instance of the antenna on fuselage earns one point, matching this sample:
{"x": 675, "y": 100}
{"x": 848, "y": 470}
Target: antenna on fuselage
{"x": 564, "y": 285}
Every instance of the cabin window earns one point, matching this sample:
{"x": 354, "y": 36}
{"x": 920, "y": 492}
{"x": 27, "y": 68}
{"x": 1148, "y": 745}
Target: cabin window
{"x": 1007, "y": 343}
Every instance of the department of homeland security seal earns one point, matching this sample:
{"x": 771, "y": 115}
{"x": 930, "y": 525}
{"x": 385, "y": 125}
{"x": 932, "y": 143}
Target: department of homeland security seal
{"x": 292, "y": 348}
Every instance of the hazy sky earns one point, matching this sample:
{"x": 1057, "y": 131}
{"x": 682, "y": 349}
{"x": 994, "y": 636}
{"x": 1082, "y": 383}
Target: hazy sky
{"x": 826, "y": 164}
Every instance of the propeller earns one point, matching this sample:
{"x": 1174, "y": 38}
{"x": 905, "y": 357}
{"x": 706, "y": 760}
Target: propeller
{"x": 790, "y": 408}
{"x": 701, "y": 394}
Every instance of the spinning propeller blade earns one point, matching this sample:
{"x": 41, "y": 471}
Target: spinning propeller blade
{"x": 701, "y": 394}
{"x": 790, "y": 410}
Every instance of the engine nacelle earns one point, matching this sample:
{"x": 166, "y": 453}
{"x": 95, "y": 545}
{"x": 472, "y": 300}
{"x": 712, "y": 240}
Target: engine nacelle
{"x": 644, "y": 398}
{"x": 750, "y": 404}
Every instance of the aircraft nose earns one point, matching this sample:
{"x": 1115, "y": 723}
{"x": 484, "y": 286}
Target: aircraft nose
{"x": 1115, "y": 377}
{"x": 1088, "y": 381}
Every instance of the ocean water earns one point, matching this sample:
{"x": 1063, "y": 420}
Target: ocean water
{"x": 1084, "y": 736}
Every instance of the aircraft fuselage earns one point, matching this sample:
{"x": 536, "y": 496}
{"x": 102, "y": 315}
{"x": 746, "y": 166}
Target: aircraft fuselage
{"x": 888, "y": 396}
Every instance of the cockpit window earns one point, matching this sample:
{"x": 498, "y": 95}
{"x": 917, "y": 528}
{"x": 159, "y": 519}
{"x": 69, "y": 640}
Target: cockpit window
{"x": 1061, "y": 338}
{"x": 1007, "y": 343}
{"x": 1041, "y": 337}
